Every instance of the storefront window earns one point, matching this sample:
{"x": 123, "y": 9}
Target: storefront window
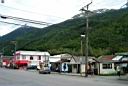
{"x": 39, "y": 57}
{"x": 31, "y": 57}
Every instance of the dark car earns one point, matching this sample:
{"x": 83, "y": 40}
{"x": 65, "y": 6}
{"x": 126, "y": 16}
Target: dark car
{"x": 46, "y": 71}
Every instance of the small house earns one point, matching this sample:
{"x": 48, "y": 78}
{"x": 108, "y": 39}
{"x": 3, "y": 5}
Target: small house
{"x": 106, "y": 65}
{"x": 77, "y": 64}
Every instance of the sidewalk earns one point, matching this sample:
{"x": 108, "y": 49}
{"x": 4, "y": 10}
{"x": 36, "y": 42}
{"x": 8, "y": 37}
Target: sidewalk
{"x": 125, "y": 78}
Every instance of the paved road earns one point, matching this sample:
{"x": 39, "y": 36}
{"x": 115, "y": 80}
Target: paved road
{"x": 10, "y": 77}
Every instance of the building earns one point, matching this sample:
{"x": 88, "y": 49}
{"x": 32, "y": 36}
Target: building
{"x": 57, "y": 62}
{"x": 73, "y": 64}
{"x": 30, "y": 59}
{"x": 77, "y": 65}
{"x": 106, "y": 65}
{"x": 121, "y": 59}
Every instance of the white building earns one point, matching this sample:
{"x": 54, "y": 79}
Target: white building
{"x": 106, "y": 65}
{"x": 30, "y": 58}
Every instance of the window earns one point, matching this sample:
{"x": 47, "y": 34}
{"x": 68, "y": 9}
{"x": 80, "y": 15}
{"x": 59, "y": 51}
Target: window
{"x": 23, "y": 57}
{"x": 18, "y": 57}
{"x": 31, "y": 57}
{"x": 39, "y": 57}
{"x": 107, "y": 66}
{"x": 75, "y": 66}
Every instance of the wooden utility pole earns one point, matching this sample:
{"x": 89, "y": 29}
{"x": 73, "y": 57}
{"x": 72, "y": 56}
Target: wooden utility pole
{"x": 86, "y": 36}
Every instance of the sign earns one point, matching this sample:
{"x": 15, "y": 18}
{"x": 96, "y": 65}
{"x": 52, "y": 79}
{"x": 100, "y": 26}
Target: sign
{"x": 64, "y": 67}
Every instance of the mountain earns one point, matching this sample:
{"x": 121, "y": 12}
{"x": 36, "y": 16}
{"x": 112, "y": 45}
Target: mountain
{"x": 91, "y": 13}
{"x": 107, "y": 35}
{"x": 19, "y": 32}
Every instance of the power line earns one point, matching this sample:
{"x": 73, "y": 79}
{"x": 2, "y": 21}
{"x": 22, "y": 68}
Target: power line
{"x": 30, "y": 11}
{"x": 12, "y": 23}
{"x": 25, "y": 20}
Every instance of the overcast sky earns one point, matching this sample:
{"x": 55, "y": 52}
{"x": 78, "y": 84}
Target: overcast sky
{"x": 51, "y": 11}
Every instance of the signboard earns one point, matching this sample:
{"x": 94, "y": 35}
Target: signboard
{"x": 64, "y": 67}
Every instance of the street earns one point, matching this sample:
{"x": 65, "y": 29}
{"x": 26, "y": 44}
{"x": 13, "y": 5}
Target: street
{"x": 9, "y": 77}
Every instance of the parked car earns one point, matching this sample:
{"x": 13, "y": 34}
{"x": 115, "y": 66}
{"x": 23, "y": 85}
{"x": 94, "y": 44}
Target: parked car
{"x": 46, "y": 71}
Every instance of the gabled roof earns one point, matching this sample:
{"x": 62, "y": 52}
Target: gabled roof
{"x": 81, "y": 59}
{"x": 117, "y": 58}
{"x": 120, "y": 58}
{"x": 106, "y": 58}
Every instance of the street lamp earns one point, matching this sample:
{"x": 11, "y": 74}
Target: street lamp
{"x": 82, "y": 37}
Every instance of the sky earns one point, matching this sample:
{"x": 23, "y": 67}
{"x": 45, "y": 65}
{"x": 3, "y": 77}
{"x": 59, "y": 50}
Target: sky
{"x": 51, "y": 11}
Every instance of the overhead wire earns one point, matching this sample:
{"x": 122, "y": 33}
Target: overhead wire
{"x": 30, "y": 11}
{"x": 11, "y": 23}
{"x": 25, "y": 20}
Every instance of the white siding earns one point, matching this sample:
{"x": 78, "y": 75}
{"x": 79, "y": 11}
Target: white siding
{"x": 106, "y": 71}
{"x": 35, "y": 55}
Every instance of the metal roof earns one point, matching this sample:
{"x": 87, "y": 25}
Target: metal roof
{"x": 117, "y": 58}
{"x": 32, "y": 53}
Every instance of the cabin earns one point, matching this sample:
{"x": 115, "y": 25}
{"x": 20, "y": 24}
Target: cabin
{"x": 30, "y": 59}
{"x": 77, "y": 65}
{"x": 106, "y": 65}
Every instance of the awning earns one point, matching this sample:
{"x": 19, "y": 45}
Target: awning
{"x": 117, "y": 58}
{"x": 54, "y": 59}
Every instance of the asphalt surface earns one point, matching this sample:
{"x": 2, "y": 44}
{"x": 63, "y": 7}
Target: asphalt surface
{"x": 9, "y": 77}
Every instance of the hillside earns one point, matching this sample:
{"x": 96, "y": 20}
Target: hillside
{"x": 108, "y": 35}
{"x": 19, "y": 32}
{"x": 6, "y": 41}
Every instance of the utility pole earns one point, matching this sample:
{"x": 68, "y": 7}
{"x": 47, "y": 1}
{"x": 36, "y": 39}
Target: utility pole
{"x": 15, "y": 45}
{"x": 86, "y": 35}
